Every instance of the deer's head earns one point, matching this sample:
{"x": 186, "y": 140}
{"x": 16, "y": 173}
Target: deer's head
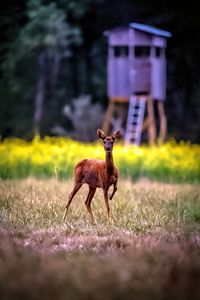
{"x": 108, "y": 141}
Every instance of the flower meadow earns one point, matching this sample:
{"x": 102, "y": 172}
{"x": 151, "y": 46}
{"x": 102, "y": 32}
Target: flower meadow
{"x": 56, "y": 157}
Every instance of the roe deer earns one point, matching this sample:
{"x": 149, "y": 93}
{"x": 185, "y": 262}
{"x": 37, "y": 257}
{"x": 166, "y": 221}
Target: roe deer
{"x": 97, "y": 174}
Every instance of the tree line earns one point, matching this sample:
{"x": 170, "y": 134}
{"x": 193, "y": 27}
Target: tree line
{"x": 54, "y": 52}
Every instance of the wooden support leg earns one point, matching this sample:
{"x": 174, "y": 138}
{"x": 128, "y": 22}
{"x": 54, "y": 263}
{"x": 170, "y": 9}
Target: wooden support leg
{"x": 145, "y": 124}
{"x": 151, "y": 127}
{"x": 163, "y": 122}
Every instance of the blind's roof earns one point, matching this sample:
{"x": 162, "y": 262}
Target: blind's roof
{"x": 142, "y": 27}
{"x": 150, "y": 29}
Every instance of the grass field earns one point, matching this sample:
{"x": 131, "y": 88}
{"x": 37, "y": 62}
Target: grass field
{"x": 150, "y": 249}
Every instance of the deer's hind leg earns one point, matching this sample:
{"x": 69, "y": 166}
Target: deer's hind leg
{"x": 88, "y": 201}
{"x": 105, "y": 192}
{"x": 77, "y": 186}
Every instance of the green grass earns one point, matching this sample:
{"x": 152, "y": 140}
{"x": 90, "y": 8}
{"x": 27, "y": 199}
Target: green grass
{"x": 150, "y": 249}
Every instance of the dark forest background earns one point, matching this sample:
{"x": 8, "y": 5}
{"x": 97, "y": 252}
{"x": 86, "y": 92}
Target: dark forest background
{"x": 53, "y": 64}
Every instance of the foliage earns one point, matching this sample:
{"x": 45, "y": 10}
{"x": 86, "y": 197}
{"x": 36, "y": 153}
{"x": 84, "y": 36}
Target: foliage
{"x": 75, "y": 29}
{"x": 46, "y": 29}
{"x": 37, "y": 50}
{"x": 57, "y": 156}
{"x": 84, "y": 117}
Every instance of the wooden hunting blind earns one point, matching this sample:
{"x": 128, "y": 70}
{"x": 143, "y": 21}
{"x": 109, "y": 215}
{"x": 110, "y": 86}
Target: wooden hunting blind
{"x": 136, "y": 74}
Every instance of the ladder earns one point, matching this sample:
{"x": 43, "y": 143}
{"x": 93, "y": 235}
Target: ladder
{"x": 135, "y": 120}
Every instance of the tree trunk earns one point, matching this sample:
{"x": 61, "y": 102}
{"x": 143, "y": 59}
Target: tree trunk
{"x": 89, "y": 69}
{"x": 51, "y": 104}
{"x": 75, "y": 74}
{"x": 53, "y": 76}
{"x": 39, "y": 96}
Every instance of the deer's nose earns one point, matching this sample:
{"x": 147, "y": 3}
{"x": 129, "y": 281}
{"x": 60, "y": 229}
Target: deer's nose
{"x": 108, "y": 148}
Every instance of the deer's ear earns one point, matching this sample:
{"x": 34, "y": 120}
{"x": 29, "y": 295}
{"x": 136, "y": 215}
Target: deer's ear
{"x": 101, "y": 134}
{"x": 116, "y": 134}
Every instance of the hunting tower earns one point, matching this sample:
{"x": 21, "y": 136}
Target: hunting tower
{"x": 136, "y": 79}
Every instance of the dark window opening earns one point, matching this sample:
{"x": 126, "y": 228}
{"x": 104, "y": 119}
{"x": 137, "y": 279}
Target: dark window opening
{"x": 120, "y": 51}
{"x": 158, "y": 51}
{"x": 142, "y": 51}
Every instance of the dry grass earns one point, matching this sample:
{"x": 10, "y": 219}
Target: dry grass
{"x": 150, "y": 250}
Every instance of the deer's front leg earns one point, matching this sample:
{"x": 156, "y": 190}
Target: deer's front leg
{"x": 88, "y": 201}
{"x": 114, "y": 190}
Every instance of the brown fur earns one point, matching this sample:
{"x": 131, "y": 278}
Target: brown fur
{"x": 97, "y": 174}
